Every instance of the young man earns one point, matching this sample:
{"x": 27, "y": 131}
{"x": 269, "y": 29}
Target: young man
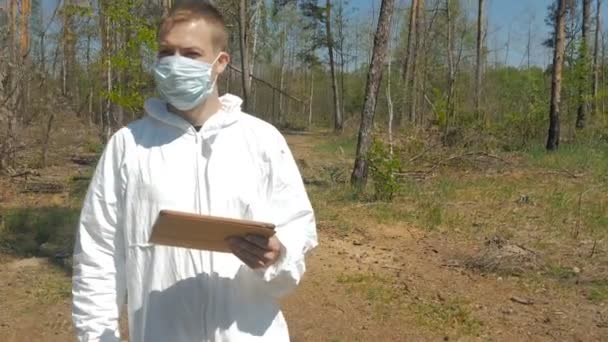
{"x": 193, "y": 152}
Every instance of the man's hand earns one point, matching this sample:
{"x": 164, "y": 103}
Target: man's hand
{"x": 256, "y": 251}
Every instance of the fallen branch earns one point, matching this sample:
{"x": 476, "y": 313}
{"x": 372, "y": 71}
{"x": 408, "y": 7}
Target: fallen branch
{"x": 521, "y": 301}
{"x": 463, "y": 156}
{"x": 418, "y": 156}
{"x": 44, "y": 188}
{"x": 577, "y": 228}
{"x": 84, "y": 160}
{"x": 392, "y": 268}
{"x": 563, "y": 172}
{"x": 26, "y": 174}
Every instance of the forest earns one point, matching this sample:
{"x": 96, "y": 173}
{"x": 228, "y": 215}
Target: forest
{"x": 458, "y": 167}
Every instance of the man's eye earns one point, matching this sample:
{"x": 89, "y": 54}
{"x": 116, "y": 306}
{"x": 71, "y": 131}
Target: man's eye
{"x": 192, "y": 55}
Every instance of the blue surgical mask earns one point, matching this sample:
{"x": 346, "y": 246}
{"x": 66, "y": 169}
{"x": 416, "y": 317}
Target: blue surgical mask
{"x": 183, "y": 82}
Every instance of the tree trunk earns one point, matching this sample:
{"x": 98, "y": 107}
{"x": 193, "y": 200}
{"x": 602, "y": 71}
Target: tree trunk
{"x": 256, "y": 27}
{"x": 281, "y": 86}
{"x": 556, "y": 79}
{"x": 529, "y": 45}
{"x": 244, "y": 47}
{"x": 374, "y": 79}
{"x": 90, "y": 80}
{"x": 7, "y": 151}
{"x": 107, "y": 53}
{"x": 596, "y": 71}
{"x": 581, "y": 116}
{"x": 478, "y": 61}
{"x": 24, "y": 45}
{"x": 26, "y": 10}
{"x": 338, "y": 119}
{"x": 282, "y": 61}
{"x": 312, "y": 89}
{"x": 119, "y": 111}
{"x": 425, "y": 62}
{"x": 389, "y": 98}
{"x": 507, "y": 47}
{"x": 42, "y": 54}
{"x": 342, "y": 38}
{"x": 406, "y": 67}
{"x": 451, "y": 75}
{"x": 603, "y": 76}
{"x": 166, "y": 6}
{"x": 47, "y": 138}
{"x": 415, "y": 52}
{"x": 69, "y": 50}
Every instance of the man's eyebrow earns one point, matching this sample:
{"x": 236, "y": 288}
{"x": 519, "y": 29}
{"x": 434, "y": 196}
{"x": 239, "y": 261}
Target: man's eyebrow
{"x": 193, "y": 48}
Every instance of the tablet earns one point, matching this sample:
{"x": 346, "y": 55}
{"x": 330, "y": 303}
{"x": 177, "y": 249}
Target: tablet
{"x": 180, "y": 229}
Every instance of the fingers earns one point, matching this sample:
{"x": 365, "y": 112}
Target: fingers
{"x": 247, "y": 257}
{"x": 252, "y": 248}
{"x": 259, "y": 241}
{"x": 253, "y": 251}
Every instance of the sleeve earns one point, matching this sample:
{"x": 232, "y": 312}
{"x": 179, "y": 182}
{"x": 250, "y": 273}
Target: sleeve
{"x": 98, "y": 283}
{"x": 294, "y": 219}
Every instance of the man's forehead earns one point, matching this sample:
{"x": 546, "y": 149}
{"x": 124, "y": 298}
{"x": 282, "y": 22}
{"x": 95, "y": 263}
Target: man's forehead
{"x": 194, "y": 31}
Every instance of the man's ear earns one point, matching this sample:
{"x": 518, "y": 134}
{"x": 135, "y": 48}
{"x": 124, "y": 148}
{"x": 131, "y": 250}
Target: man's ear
{"x": 222, "y": 62}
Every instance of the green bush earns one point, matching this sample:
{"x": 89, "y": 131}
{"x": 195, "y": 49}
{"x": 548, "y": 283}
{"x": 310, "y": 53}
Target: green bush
{"x": 25, "y": 230}
{"x": 383, "y": 166}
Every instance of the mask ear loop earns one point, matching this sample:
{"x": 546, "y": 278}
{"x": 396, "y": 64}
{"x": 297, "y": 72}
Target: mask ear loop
{"x": 213, "y": 64}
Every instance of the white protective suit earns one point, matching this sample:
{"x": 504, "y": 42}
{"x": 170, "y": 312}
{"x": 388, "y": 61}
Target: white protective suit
{"x": 236, "y": 166}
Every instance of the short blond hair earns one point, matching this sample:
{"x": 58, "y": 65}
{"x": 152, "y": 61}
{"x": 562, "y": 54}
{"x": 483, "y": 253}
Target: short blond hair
{"x": 191, "y": 10}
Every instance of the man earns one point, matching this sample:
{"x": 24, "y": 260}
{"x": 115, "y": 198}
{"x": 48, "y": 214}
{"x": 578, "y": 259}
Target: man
{"x": 193, "y": 152}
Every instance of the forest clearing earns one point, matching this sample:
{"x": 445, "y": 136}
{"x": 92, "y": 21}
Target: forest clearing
{"x": 506, "y": 247}
{"x": 458, "y": 195}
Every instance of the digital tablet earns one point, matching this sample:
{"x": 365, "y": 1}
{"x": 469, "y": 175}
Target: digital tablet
{"x": 180, "y": 229}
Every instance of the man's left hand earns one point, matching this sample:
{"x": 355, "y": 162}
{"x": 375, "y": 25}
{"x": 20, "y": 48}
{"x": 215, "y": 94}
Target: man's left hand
{"x": 256, "y": 251}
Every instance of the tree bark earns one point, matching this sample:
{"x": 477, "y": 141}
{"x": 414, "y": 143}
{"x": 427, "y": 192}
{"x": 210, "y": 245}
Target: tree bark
{"x": 581, "y": 116}
{"x": 166, "y": 6}
{"x": 478, "y": 61}
{"x": 26, "y": 10}
{"x": 338, "y": 119}
{"x": 342, "y": 38}
{"x": 106, "y": 34}
{"x": 282, "y": 61}
{"x": 529, "y": 45}
{"x": 24, "y": 45}
{"x": 603, "y": 75}
{"x": 556, "y": 79}
{"x": 596, "y": 66}
{"x": 312, "y": 89}
{"x": 7, "y": 147}
{"x": 428, "y": 29}
{"x": 69, "y": 49}
{"x": 47, "y": 138}
{"x": 389, "y": 98}
{"x": 256, "y": 27}
{"x": 415, "y": 53}
{"x": 244, "y": 47}
{"x": 89, "y": 77}
{"x": 406, "y": 66}
{"x": 374, "y": 79}
{"x": 451, "y": 74}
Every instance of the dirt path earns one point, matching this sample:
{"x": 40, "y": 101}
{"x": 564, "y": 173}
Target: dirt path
{"x": 379, "y": 283}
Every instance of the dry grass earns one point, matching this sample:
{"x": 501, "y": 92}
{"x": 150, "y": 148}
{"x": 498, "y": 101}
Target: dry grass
{"x": 552, "y": 204}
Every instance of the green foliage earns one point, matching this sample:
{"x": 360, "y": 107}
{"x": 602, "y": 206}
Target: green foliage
{"x": 341, "y": 145}
{"x": 599, "y": 291}
{"x": 139, "y": 40}
{"x": 24, "y": 230}
{"x": 450, "y": 315}
{"x": 383, "y": 165}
